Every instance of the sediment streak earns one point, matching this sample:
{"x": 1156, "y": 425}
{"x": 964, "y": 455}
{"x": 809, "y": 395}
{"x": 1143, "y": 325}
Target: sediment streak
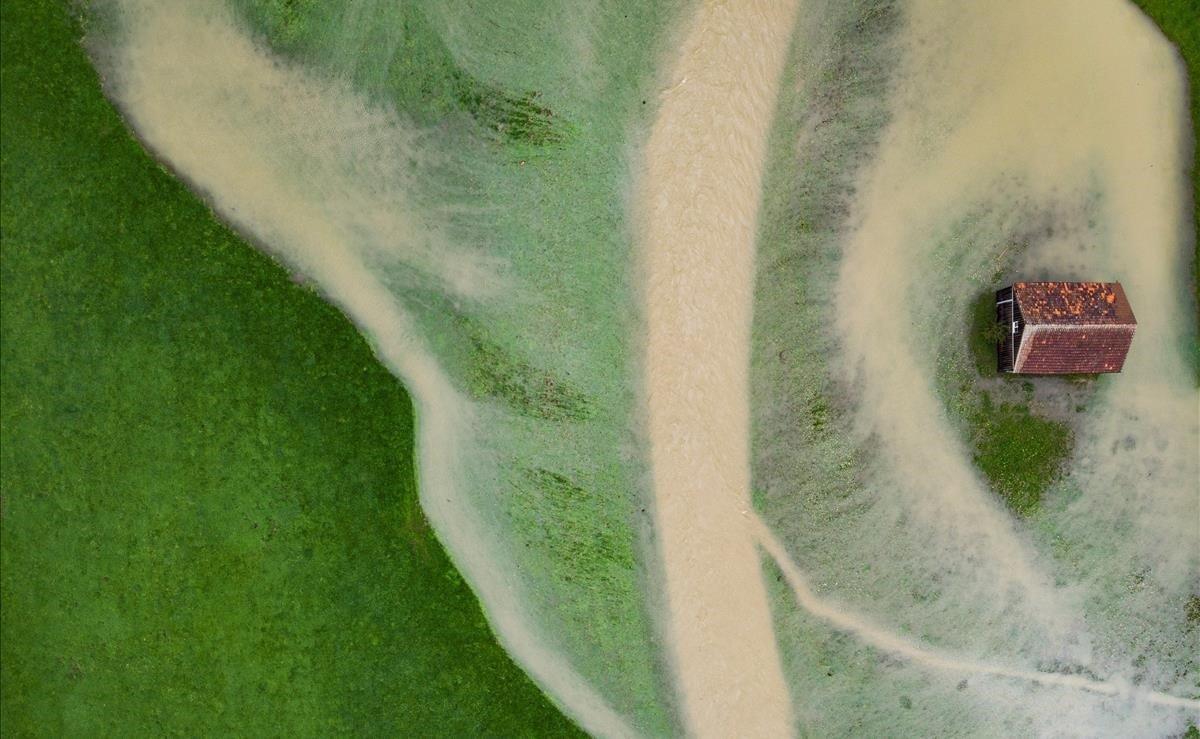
{"x": 899, "y": 646}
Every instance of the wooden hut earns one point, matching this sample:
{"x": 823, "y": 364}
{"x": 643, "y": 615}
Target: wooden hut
{"x": 1055, "y": 328}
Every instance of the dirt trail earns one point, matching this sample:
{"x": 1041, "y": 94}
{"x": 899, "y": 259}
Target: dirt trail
{"x": 888, "y": 642}
{"x": 698, "y": 197}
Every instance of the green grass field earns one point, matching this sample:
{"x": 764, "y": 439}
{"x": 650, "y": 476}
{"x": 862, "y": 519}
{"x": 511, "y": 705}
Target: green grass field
{"x": 209, "y": 521}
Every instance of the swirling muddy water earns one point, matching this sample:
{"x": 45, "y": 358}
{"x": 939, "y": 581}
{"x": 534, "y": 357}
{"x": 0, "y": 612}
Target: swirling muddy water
{"x": 1022, "y": 93}
{"x": 674, "y": 354}
{"x": 999, "y": 113}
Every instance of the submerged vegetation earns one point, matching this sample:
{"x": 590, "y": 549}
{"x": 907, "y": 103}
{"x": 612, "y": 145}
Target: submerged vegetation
{"x": 420, "y": 75}
{"x": 498, "y": 375}
{"x": 519, "y": 119}
{"x": 210, "y": 525}
{"x": 1179, "y": 20}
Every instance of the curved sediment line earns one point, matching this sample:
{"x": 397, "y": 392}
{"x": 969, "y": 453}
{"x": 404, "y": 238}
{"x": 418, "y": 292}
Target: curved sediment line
{"x": 225, "y": 115}
{"x": 698, "y": 205}
{"x": 1006, "y": 110}
{"x": 442, "y": 418}
{"x": 443, "y": 431}
{"x": 885, "y": 641}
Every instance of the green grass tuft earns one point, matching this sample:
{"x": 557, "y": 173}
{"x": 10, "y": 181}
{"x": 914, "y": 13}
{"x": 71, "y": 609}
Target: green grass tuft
{"x": 983, "y": 334}
{"x": 1018, "y": 451}
{"x": 495, "y": 373}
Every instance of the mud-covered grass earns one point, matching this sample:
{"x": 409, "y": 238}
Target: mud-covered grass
{"x": 497, "y": 375}
{"x": 559, "y": 502}
{"x": 808, "y": 467}
{"x": 1179, "y": 20}
{"x": 376, "y": 123}
{"x": 210, "y": 525}
{"x": 420, "y": 75}
{"x": 922, "y": 312}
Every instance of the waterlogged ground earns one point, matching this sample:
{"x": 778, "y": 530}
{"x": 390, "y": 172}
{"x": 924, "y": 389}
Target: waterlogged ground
{"x": 490, "y": 194}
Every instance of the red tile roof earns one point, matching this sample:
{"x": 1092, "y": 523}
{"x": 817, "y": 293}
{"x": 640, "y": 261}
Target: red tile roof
{"x": 1073, "y": 302}
{"x": 1051, "y": 350}
{"x": 1073, "y": 327}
